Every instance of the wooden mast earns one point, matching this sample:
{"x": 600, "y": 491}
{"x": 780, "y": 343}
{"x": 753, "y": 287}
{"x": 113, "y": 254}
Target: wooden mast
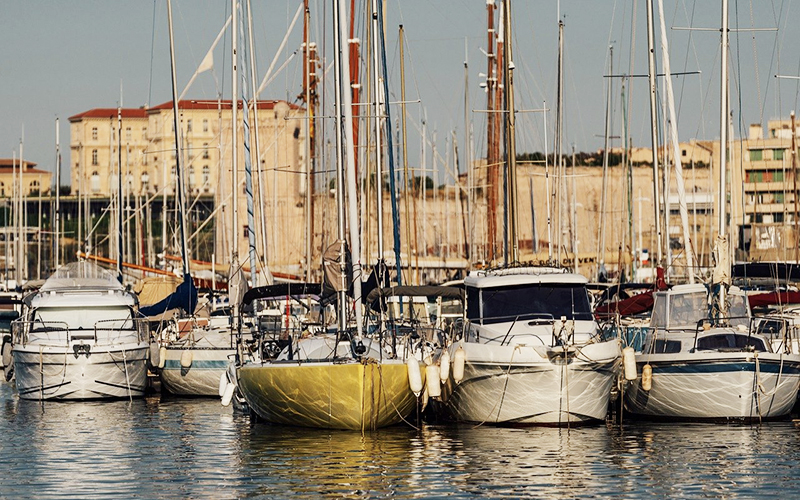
{"x": 491, "y": 137}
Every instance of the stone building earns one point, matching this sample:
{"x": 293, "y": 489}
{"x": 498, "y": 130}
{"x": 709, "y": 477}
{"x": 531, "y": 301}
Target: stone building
{"x": 34, "y": 181}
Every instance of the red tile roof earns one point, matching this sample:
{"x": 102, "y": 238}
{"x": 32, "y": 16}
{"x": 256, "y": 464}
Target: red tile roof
{"x": 28, "y": 171}
{"x": 212, "y": 104}
{"x": 9, "y": 162}
{"x": 110, "y": 113}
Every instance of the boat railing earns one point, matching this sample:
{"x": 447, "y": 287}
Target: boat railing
{"x": 113, "y": 330}
{"x": 47, "y": 332}
{"x": 59, "y": 333}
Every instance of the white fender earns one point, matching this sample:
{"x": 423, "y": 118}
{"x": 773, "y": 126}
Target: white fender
{"x": 459, "y": 360}
{"x": 444, "y": 366}
{"x": 647, "y": 377}
{"x": 432, "y": 381}
{"x": 187, "y": 356}
{"x": 162, "y": 356}
{"x": 228, "y": 395}
{"x": 223, "y": 383}
{"x": 629, "y": 361}
{"x": 414, "y": 375}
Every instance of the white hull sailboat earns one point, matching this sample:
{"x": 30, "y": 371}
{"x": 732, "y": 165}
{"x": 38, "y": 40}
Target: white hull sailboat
{"x": 78, "y": 338}
{"x": 698, "y": 372}
{"x": 532, "y": 354}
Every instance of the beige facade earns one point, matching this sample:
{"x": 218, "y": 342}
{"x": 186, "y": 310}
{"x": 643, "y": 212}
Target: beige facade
{"x": 149, "y": 165}
{"x": 34, "y": 180}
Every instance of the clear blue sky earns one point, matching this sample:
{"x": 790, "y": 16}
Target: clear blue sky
{"x": 61, "y": 58}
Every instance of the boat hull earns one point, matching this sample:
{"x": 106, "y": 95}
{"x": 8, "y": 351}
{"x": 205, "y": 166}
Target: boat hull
{"x": 516, "y": 385}
{"x": 322, "y": 394}
{"x": 202, "y": 377}
{"x": 56, "y": 372}
{"x": 716, "y": 386}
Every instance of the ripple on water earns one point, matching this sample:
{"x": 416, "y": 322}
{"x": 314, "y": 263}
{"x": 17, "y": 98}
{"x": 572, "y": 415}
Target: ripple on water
{"x": 194, "y": 448}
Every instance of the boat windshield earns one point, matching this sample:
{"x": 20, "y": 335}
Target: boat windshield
{"x": 109, "y": 317}
{"x": 547, "y": 301}
{"x": 687, "y": 309}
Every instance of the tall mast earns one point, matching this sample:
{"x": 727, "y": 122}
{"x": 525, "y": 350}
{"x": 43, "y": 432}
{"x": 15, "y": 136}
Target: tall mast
{"x": 468, "y": 161}
{"x": 405, "y": 148}
{"x": 120, "y": 253}
{"x": 794, "y": 190}
{"x": 511, "y": 146}
{"x": 651, "y": 73}
{"x": 178, "y": 153}
{"x": 722, "y": 270}
{"x": 378, "y": 113}
{"x": 57, "y": 210}
{"x": 601, "y": 241}
{"x": 256, "y": 153}
{"x": 307, "y": 70}
{"x": 491, "y": 159}
{"x": 559, "y": 181}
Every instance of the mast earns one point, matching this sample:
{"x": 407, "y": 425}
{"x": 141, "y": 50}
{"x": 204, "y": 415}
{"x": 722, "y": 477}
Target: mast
{"x": 248, "y": 166}
{"x": 405, "y": 148}
{"x": 178, "y": 154}
{"x": 234, "y": 265}
{"x": 120, "y": 255}
{"x": 688, "y": 246}
{"x": 256, "y": 156}
{"x": 468, "y": 237}
{"x": 794, "y": 188}
{"x": 559, "y": 180}
{"x": 306, "y": 96}
{"x": 651, "y": 73}
{"x": 722, "y": 269}
{"x": 378, "y": 113}
{"x": 511, "y": 145}
{"x": 601, "y": 241}
{"x": 491, "y": 159}
{"x": 57, "y": 209}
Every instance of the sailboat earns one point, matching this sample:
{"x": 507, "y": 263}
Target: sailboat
{"x": 341, "y": 379}
{"x": 703, "y": 359}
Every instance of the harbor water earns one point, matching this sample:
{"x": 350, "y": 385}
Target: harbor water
{"x": 195, "y": 448}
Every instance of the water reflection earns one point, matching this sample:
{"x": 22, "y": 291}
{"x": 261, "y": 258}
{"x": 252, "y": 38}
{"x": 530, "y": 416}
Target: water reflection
{"x": 179, "y": 448}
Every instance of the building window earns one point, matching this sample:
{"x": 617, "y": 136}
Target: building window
{"x": 145, "y": 181}
{"x": 94, "y": 133}
{"x": 755, "y": 155}
{"x": 206, "y": 174}
{"x": 205, "y": 124}
{"x": 33, "y": 188}
{"x": 777, "y": 154}
{"x": 205, "y": 151}
{"x": 2, "y": 189}
{"x": 144, "y": 133}
{"x": 172, "y": 176}
{"x": 189, "y": 125}
{"x": 94, "y": 157}
{"x": 683, "y": 152}
{"x": 128, "y": 134}
{"x": 191, "y": 178}
{"x": 95, "y": 182}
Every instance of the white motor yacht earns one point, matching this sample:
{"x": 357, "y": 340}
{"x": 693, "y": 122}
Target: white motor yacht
{"x": 532, "y": 351}
{"x": 79, "y": 338}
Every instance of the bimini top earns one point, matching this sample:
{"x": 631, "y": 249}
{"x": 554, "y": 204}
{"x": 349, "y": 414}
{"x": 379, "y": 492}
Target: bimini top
{"x": 83, "y": 275}
{"x": 522, "y": 276}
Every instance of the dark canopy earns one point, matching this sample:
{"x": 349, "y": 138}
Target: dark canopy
{"x": 282, "y": 290}
{"x": 450, "y": 292}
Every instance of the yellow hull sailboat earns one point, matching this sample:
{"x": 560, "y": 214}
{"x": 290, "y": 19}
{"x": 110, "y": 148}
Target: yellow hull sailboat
{"x": 363, "y": 394}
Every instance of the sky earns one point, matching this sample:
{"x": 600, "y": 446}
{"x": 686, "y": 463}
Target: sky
{"x": 58, "y": 59}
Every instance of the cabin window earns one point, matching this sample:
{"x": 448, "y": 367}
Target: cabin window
{"x": 666, "y": 346}
{"x": 730, "y": 341}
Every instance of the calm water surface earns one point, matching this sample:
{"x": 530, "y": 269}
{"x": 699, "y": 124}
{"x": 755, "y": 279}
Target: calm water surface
{"x": 176, "y": 448}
